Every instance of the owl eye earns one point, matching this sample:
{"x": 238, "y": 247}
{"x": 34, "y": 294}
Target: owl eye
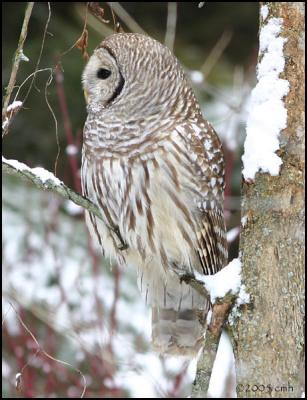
{"x": 103, "y": 73}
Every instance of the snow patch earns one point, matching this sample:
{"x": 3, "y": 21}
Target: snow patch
{"x": 5, "y": 123}
{"x": 23, "y": 57}
{"x": 6, "y": 369}
{"x": 13, "y": 106}
{"x": 226, "y": 280}
{"x": 196, "y": 76}
{"x": 45, "y": 175}
{"x": 243, "y": 296}
{"x": 232, "y": 234}
{"x": 268, "y": 115}
{"x": 41, "y": 173}
{"x": 71, "y": 150}
{"x": 244, "y": 221}
{"x": 223, "y": 369}
{"x": 72, "y": 208}
{"x": 264, "y": 12}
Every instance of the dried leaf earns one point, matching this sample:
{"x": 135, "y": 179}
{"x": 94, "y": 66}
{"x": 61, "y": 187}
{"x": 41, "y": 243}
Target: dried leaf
{"x": 82, "y": 43}
{"x": 97, "y": 11}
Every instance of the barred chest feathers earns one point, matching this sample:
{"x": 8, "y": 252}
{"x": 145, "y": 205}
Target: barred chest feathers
{"x": 152, "y": 197}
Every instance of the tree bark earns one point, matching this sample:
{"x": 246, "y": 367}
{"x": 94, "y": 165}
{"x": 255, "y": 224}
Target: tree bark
{"x": 269, "y": 336}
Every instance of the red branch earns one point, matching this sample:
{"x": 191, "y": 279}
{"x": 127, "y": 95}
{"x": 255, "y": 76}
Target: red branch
{"x": 73, "y": 161}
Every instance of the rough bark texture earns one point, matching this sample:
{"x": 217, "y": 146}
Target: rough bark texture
{"x": 207, "y": 358}
{"x": 205, "y": 366}
{"x": 269, "y": 335}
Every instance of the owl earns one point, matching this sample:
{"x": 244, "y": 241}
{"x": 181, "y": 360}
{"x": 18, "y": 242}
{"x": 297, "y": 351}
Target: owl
{"x": 155, "y": 168}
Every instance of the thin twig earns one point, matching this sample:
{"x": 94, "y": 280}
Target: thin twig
{"x": 81, "y": 42}
{"x": 48, "y": 83}
{"x": 192, "y": 281}
{"x": 19, "y": 87}
{"x": 17, "y": 58}
{"x": 171, "y": 25}
{"x": 40, "y": 53}
{"x": 102, "y": 29}
{"x": 216, "y": 52}
{"x": 126, "y": 18}
{"x": 41, "y": 350}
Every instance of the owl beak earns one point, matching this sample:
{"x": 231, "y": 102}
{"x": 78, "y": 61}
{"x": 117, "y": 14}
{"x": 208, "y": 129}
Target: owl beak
{"x": 85, "y": 96}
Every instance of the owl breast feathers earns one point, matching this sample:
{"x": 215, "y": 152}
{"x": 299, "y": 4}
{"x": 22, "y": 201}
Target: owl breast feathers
{"x": 155, "y": 168}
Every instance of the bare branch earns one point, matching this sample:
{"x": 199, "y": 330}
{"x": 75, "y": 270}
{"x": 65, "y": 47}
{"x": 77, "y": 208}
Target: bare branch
{"x": 171, "y": 24}
{"x": 92, "y": 21}
{"x": 205, "y": 366}
{"x": 126, "y": 18}
{"x": 45, "y": 180}
{"x": 40, "y": 54}
{"x": 51, "y": 184}
{"x": 195, "y": 283}
{"x": 19, "y": 56}
{"x": 216, "y": 52}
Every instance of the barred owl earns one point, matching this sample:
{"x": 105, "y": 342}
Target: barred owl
{"x": 155, "y": 168}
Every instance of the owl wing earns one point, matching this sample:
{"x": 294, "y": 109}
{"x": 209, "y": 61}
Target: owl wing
{"x": 212, "y": 243}
{"x": 103, "y": 229}
{"x": 207, "y": 160}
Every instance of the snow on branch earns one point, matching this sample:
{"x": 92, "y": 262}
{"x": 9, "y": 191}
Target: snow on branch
{"x": 268, "y": 114}
{"x": 226, "y": 282}
{"x": 223, "y": 286}
{"x": 45, "y": 180}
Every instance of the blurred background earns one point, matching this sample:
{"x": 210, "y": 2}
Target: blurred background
{"x": 67, "y": 317}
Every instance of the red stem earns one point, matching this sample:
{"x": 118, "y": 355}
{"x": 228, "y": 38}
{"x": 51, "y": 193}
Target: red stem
{"x": 116, "y": 275}
{"x": 67, "y": 128}
{"x": 178, "y": 381}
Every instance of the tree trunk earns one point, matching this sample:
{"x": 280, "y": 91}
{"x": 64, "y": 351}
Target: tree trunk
{"x": 269, "y": 336}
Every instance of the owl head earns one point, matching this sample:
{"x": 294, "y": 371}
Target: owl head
{"x": 102, "y": 78}
{"x": 133, "y": 74}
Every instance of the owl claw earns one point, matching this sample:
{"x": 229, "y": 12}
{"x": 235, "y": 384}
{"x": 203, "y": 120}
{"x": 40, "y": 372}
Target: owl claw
{"x": 123, "y": 245}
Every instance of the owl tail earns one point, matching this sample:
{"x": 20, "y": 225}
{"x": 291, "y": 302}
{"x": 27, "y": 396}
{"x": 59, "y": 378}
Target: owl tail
{"x": 178, "y": 332}
{"x": 179, "y": 312}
